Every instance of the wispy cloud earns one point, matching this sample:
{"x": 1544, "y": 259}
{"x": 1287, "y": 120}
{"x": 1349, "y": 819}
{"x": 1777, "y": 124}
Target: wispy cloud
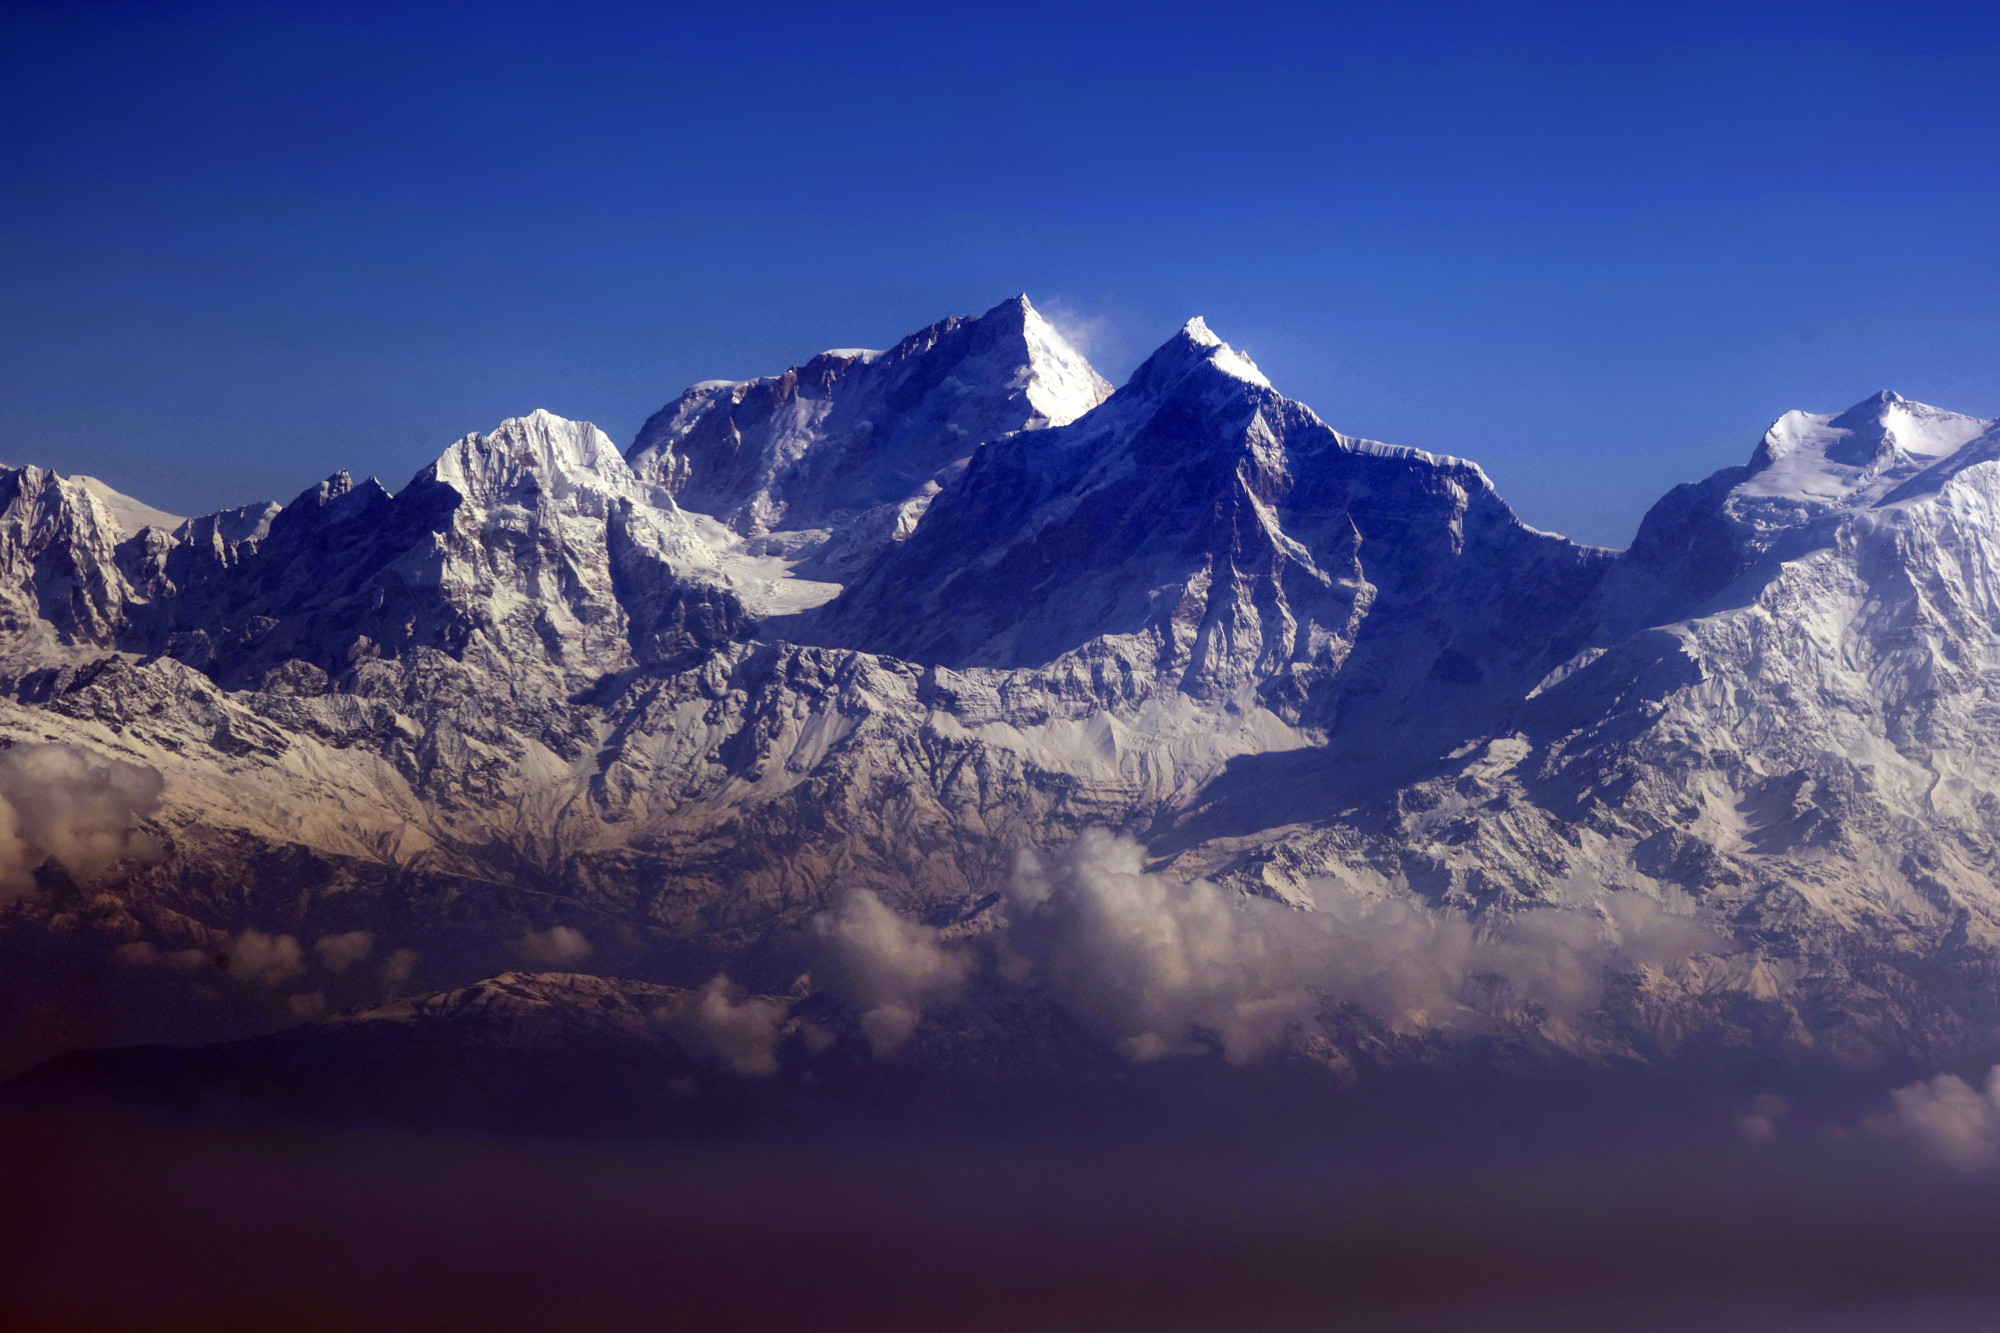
{"x": 340, "y": 952}
{"x": 1094, "y": 335}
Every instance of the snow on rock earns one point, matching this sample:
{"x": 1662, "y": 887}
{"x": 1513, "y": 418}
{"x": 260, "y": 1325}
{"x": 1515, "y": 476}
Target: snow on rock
{"x": 1200, "y": 533}
{"x": 887, "y": 620}
{"x": 851, "y": 431}
{"x": 133, "y": 515}
{"x": 1854, "y": 458}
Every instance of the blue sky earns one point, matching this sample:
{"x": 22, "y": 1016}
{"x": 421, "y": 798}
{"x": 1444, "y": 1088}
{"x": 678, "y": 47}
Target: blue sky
{"x": 243, "y": 246}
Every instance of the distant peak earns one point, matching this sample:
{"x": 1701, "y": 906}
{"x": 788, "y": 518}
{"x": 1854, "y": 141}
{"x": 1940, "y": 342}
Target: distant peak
{"x": 1014, "y": 313}
{"x": 1194, "y": 347}
{"x": 541, "y": 424}
{"x": 544, "y": 421}
{"x": 1197, "y": 332}
{"x": 1871, "y": 409}
{"x": 1889, "y": 408}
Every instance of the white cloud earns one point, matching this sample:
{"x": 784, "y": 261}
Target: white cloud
{"x": 73, "y": 805}
{"x": 1947, "y": 1120}
{"x": 720, "y": 1022}
{"x": 1146, "y": 958}
{"x": 887, "y": 968}
{"x": 269, "y": 960}
{"x": 340, "y": 952}
{"x": 1156, "y": 962}
{"x": 397, "y": 969}
{"x": 558, "y": 946}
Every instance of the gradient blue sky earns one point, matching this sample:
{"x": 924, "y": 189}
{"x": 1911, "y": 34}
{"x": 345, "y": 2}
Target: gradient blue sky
{"x": 242, "y": 246}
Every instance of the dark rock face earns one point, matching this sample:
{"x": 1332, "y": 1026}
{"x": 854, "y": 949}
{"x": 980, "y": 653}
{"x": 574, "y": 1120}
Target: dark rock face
{"x": 1228, "y": 544}
{"x": 850, "y": 431}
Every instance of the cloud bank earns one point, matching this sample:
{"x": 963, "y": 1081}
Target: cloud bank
{"x": 1158, "y": 963}
{"x": 1164, "y": 966}
{"x": 70, "y": 804}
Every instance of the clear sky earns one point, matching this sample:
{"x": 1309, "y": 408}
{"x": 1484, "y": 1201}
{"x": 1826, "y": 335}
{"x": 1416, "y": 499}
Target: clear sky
{"x": 241, "y": 246}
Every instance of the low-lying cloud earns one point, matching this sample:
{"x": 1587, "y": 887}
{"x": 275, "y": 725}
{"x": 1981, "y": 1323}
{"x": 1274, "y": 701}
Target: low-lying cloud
{"x": 1759, "y": 1124}
{"x": 887, "y": 968}
{"x": 1156, "y": 963}
{"x": 340, "y": 952}
{"x": 72, "y": 805}
{"x": 723, "y": 1024}
{"x": 397, "y": 969}
{"x": 275, "y": 961}
{"x": 1163, "y": 965}
{"x": 558, "y": 946}
{"x": 253, "y": 956}
{"x": 1947, "y": 1120}
{"x": 267, "y": 960}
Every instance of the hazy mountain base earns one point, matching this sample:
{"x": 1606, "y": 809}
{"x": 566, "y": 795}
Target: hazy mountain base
{"x": 119, "y": 1224}
{"x": 566, "y": 1055}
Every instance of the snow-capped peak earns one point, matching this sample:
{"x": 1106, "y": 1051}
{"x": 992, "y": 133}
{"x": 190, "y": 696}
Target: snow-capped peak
{"x": 131, "y": 515}
{"x": 1194, "y": 348}
{"x": 1061, "y": 384}
{"x": 1855, "y": 457}
{"x": 849, "y": 434}
{"x": 562, "y": 456}
{"x": 1225, "y": 358}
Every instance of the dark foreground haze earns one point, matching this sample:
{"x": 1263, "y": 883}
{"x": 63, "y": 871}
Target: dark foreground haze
{"x": 121, "y": 1222}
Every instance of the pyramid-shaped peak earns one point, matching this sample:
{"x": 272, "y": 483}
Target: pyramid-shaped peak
{"x": 1016, "y": 307}
{"x": 1917, "y": 426}
{"x": 542, "y": 431}
{"x": 1197, "y": 332}
{"x": 851, "y": 432}
{"x": 568, "y": 457}
{"x": 1015, "y": 317}
{"x": 1873, "y": 409}
{"x": 1195, "y": 349}
{"x": 327, "y": 491}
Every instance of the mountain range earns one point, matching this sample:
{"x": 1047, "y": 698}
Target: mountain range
{"x": 944, "y": 709}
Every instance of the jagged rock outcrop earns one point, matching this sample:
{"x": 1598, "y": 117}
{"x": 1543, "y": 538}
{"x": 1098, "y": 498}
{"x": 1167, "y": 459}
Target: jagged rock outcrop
{"x": 1202, "y": 533}
{"x": 62, "y": 585}
{"x": 844, "y": 452}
